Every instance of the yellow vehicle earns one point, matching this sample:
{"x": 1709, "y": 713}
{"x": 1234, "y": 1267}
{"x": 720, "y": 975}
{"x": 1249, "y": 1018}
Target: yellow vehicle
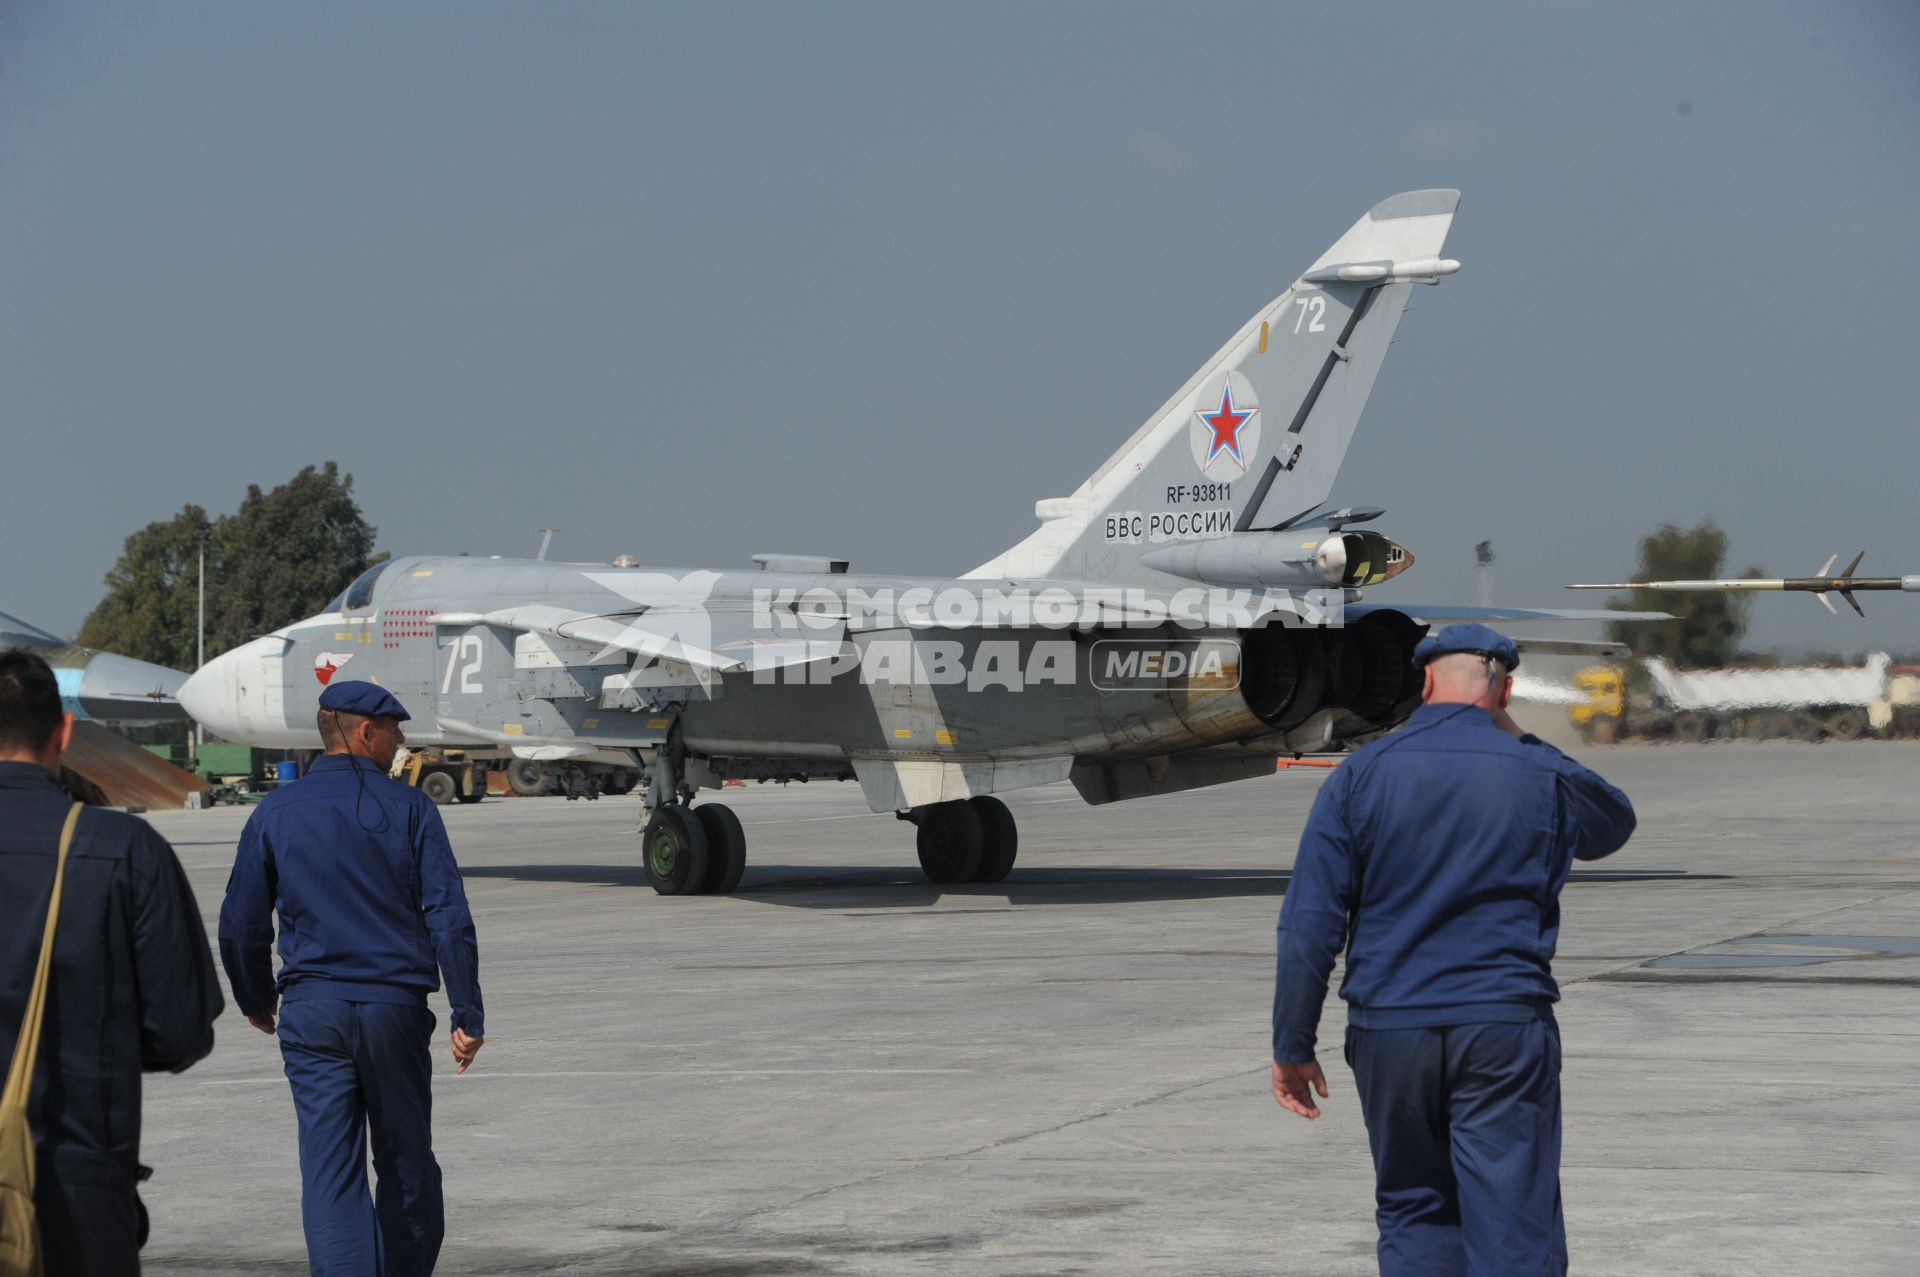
{"x": 1598, "y": 717}
{"x": 444, "y": 775}
{"x": 1746, "y": 702}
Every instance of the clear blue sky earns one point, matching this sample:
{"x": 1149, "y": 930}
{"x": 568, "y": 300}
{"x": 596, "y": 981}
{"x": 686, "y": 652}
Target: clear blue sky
{"x": 695, "y": 281}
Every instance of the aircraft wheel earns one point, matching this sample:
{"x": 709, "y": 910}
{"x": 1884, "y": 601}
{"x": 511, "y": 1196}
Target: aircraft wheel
{"x": 439, "y": 786}
{"x": 726, "y": 847}
{"x": 1000, "y": 839}
{"x": 479, "y": 792}
{"x": 951, "y": 842}
{"x": 528, "y": 777}
{"x": 674, "y": 845}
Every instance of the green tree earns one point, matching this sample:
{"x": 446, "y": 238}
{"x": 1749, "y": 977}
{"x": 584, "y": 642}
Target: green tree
{"x": 1708, "y": 625}
{"x": 282, "y": 556}
{"x": 285, "y": 554}
{"x": 148, "y": 613}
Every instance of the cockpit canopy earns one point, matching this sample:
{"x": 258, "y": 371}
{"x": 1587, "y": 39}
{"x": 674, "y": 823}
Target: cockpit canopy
{"x": 358, "y": 596}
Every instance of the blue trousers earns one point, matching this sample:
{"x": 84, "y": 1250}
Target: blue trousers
{"x": 360, "y": 1070}
{"x": 1464, "y": 1122}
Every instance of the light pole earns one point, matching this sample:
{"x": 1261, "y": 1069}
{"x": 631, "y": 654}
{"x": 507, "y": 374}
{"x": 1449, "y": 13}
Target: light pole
{"x": 200, "y": 644}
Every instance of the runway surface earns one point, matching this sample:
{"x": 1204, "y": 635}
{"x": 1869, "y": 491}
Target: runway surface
{"x": 845, "y": 1070}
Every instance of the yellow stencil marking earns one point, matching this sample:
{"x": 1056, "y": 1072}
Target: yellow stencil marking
{"x": 429, "y": 571}
{"x": 902, "y": 733}
{"x": 512, "y": 729}
{"x": 659, "y": 722}
{"x": 1263, "y": 336}
{"x": 591, "y": 723}
{"x": 942, "y": 736}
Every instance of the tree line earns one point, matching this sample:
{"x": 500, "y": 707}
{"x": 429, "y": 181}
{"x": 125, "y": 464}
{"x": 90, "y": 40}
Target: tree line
{"x": 281, "y": 556}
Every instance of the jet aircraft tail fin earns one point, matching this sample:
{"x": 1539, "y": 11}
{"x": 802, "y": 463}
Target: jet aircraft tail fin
{"x": 1254, "y": 440}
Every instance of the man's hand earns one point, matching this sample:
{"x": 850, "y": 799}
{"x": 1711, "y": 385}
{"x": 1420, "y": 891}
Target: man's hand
{"x": 465, "y": 1048}
{"x": 1294, "y": 1086}
{"x": 264, "y": 1021}
{"x": 1504, "y": 721}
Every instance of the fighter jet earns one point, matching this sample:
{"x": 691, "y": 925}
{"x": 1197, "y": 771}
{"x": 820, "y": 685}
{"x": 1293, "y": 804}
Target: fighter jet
{"x": 100, "y": 685}
{"x": 1184, "y": 618}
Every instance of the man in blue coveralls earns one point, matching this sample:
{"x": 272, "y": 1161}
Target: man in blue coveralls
{"x": 370, "y": 904}
{"x": 1435, "y": 857}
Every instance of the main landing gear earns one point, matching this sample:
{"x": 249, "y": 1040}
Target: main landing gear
{"x": 694, "y": 850}
{"x": 688, "y": 850}
{"x": 966, "y": 840}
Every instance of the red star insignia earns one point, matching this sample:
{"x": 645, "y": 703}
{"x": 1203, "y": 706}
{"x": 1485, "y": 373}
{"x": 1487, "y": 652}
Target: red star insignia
{"x": 1225, "y": 423}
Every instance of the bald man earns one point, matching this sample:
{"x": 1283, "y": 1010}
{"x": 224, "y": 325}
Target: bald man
{"x": 1434, "y": 857}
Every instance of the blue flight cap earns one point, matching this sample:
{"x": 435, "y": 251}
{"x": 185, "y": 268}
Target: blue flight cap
{"x": 356, "y": 696}
{"x": 1477, "y": 639}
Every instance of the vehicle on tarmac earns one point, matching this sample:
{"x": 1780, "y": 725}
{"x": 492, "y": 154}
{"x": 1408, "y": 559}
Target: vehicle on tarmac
{"x": 1186, "y": 617}
{"x": 1789, "y": 702}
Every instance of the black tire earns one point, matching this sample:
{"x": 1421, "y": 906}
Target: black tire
{"x": 528, "y": 777}
{"x": 1851, "y": 723}
{"x": 726, "y": 848}
{"x": 999, "y": 839}
{"x": 674, "y": 847}
{"x": 951, "y": 842}
{"x": 440, "y": 786}
{"x": 478, "y": 792}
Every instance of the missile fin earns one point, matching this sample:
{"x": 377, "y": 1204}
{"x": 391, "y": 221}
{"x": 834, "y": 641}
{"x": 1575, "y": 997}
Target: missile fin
{"x": 1825, "y": 601}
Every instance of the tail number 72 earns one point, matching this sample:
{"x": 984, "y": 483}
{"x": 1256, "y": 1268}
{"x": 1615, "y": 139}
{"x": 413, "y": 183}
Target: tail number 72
{"x": 469, "y": 645}
{"x": 1313, "y": 309}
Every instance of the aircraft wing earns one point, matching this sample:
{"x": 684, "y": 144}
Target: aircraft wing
{"x": 1446, "y": 613}
{"x": 1086, "y": 605}
{"x": 711, "y": 641}
{"x": 1599, "y": 649}
{"x": 15, "y": 632}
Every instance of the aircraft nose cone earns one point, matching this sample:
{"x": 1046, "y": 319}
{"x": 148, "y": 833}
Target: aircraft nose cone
{"x": 240, "y": 695}
{"x": 206, "y": 695}
{"x": 119, "y": 687}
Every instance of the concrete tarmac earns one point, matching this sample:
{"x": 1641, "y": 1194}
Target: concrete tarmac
{"x": 845, "y": 1070}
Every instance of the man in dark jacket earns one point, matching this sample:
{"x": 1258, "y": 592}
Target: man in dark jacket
{"x": 372, "y": 913}
{"x": 133, "y": 987}
{"x": 1435, "y": 858}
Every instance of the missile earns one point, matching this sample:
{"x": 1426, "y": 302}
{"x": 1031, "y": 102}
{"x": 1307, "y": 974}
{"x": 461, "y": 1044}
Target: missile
{"x": 1818, "y": 585}
{"x": 1310, "y": 558}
